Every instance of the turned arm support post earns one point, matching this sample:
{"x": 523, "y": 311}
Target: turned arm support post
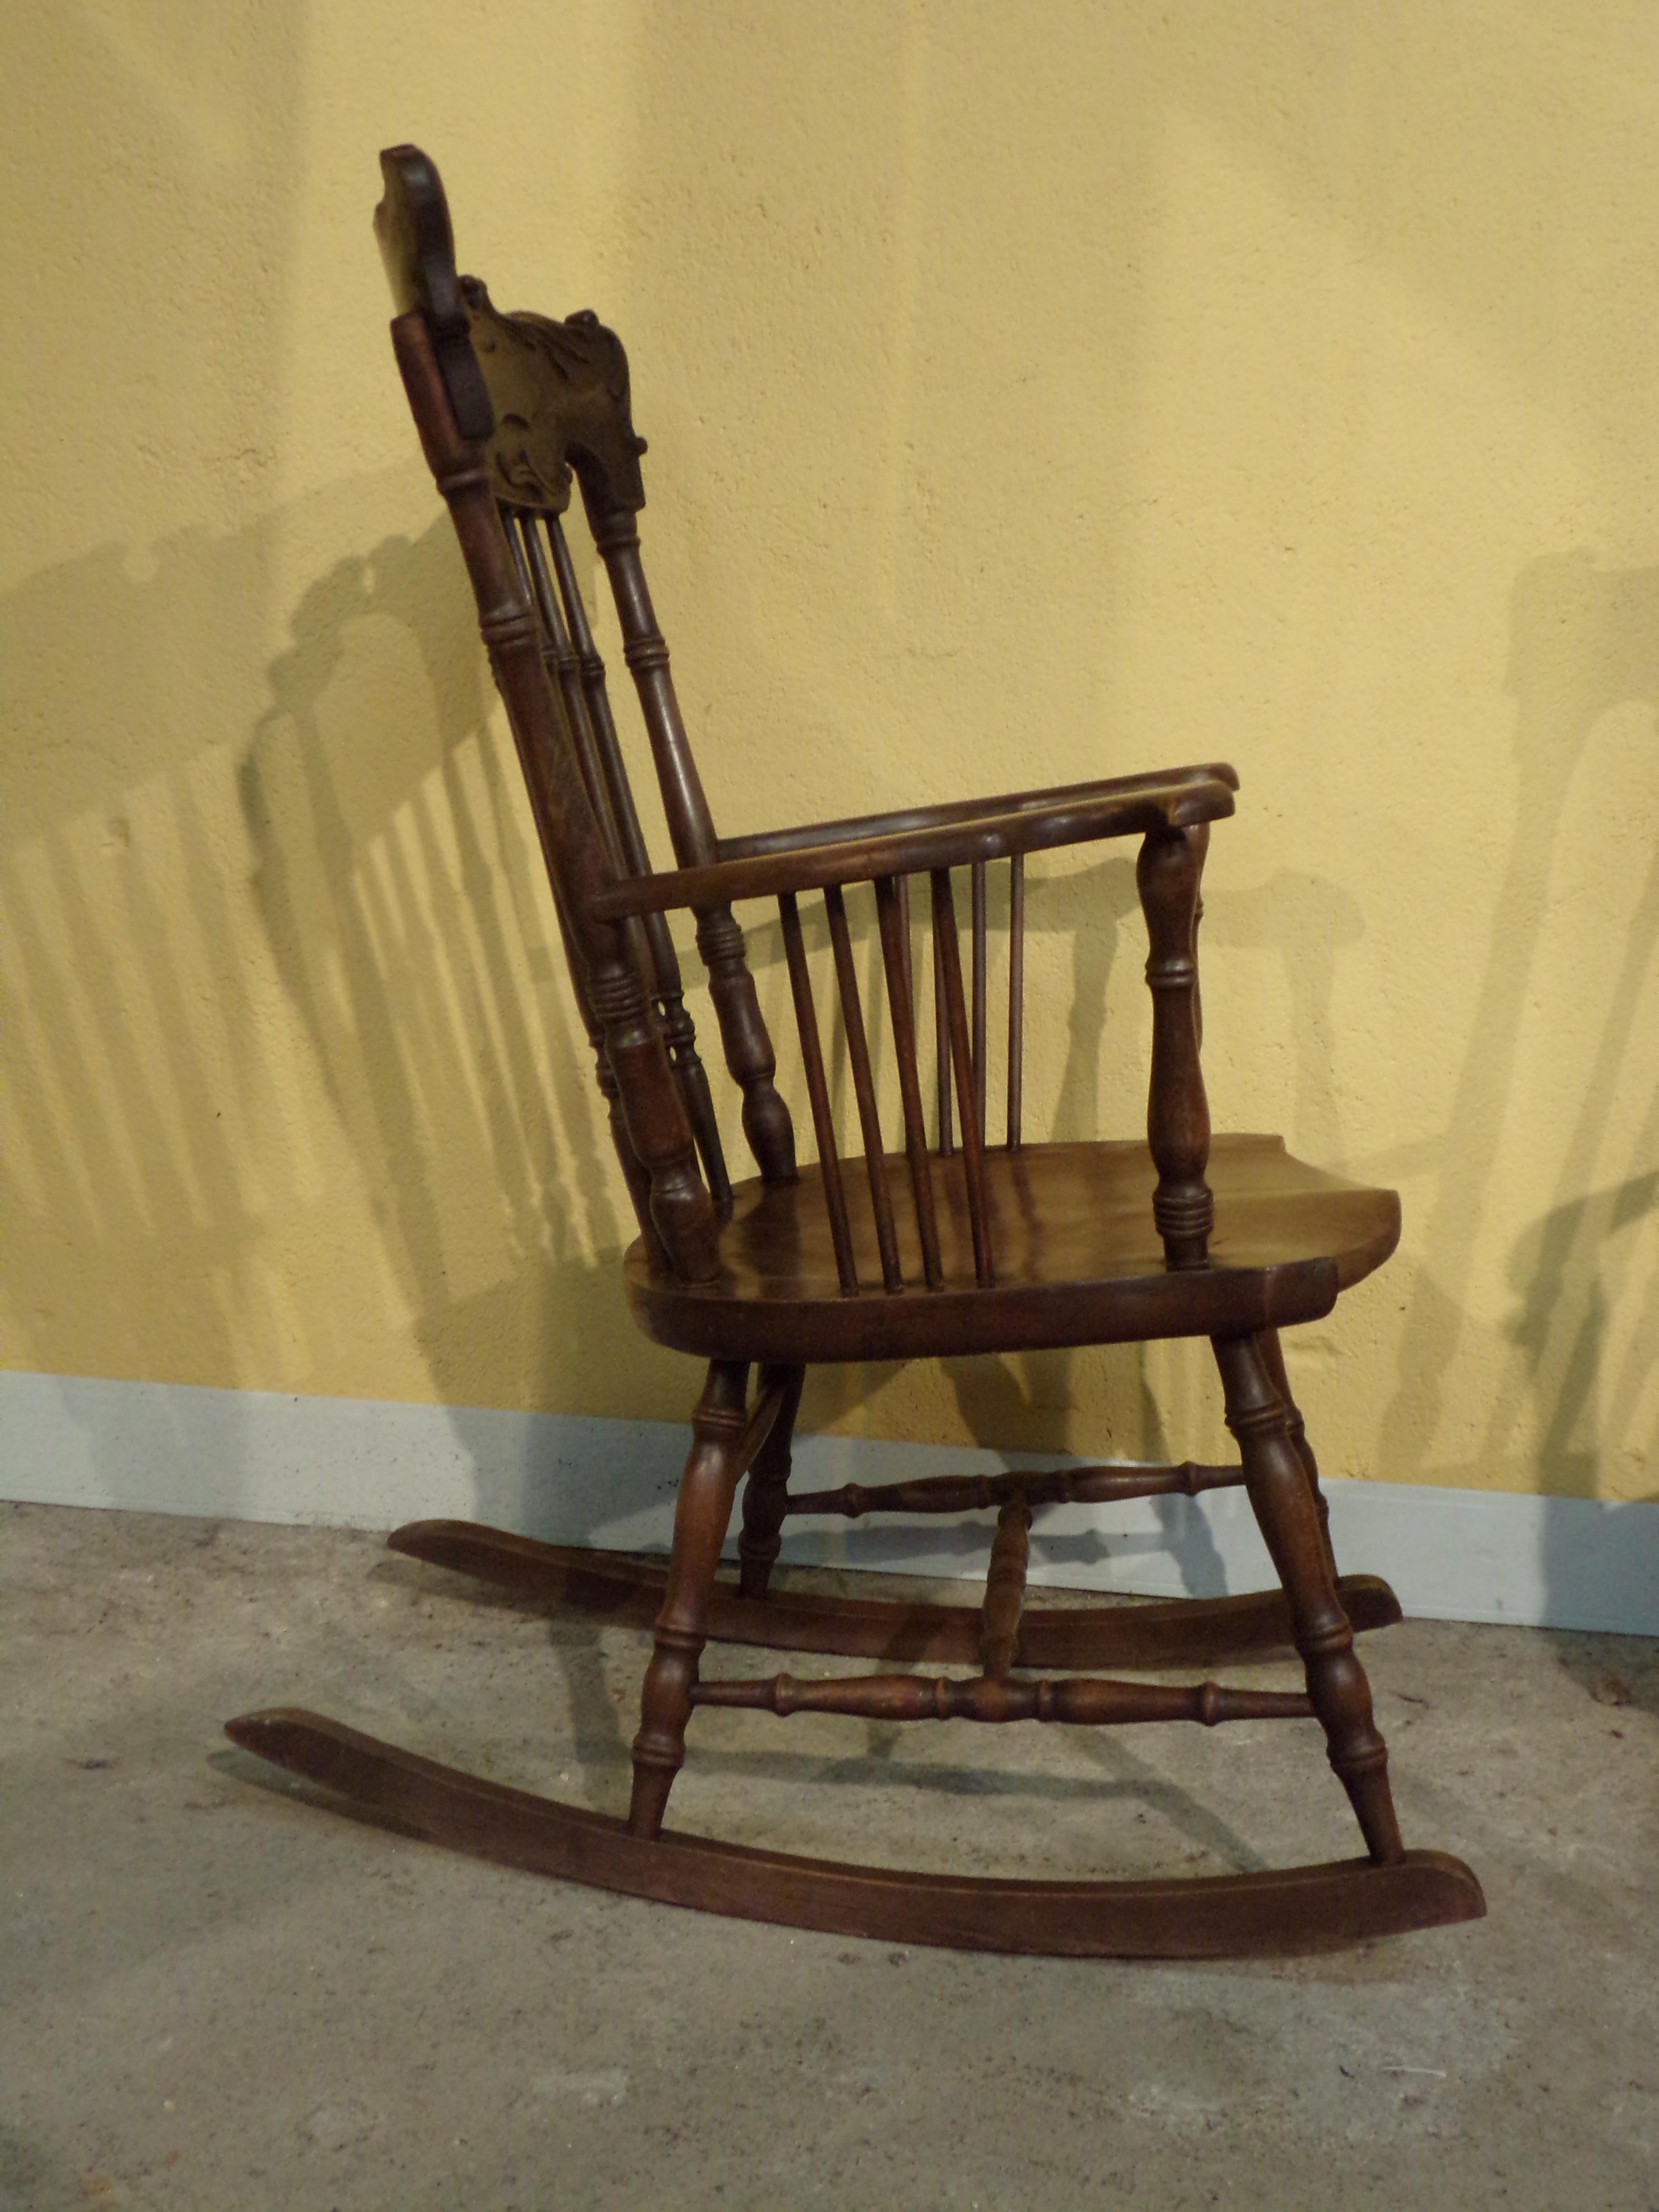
{"x": 1168, "y": 875}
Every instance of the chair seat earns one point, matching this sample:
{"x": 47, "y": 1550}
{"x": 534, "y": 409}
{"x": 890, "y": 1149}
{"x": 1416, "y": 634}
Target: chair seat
{"x": 1078, "y": 1259}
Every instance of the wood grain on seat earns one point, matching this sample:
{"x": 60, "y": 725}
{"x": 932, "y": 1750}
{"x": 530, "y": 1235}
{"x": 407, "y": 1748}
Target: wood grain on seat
{"x": 1078, "y": 1258}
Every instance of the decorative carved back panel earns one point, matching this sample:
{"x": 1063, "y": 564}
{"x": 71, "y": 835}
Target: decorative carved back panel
{"x": 560, "y": 394}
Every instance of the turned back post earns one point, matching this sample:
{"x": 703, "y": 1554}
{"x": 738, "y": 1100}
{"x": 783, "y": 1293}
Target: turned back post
{"x": 545, "y": 406}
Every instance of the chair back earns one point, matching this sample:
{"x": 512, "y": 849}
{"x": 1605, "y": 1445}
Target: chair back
{"x": 511, "y": 410}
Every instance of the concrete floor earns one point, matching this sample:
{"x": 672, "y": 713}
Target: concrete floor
{"x": 216, "y": 1994}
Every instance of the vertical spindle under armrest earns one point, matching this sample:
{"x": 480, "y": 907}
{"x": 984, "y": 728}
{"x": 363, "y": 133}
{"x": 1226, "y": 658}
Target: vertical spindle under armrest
{"x": 823, "y": 1123}
{"x": 973, "y": 1151}
{"x": 858, "y": 1052}
{"x": 942, "y": 1049}
{"x": 889, "y": 913}
{"x": 1167, "y": 875}
{"x": 1015, "y": 996}
{"x": 980, "y": 1069}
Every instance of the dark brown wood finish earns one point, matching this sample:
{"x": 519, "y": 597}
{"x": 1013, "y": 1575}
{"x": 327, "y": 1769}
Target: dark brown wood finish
{"x": 550, "y": 401}
{"x": 943, "y": 1121}
{"x": 1079, "y": 1700}
{"x": 960, "y": 1057}
{"x": 1000, "y": 1247}
{"x": 1079, "y": 1257}
{"x": 766, "y": 1493}
{"x": 858, "y": 827}
{"x": 1015, "y": 996}
{"x": 1157, "y": 811}
{"x": 858, "y": 1053}
{"x": 979, "y": 897}
{"x": 1135, "y": 1632}
{"x": 1167, "y": 875}
{"x": 968, "y": 1494}
{"x": 1005, "y": 1596}
{"x": 723, "y": 1448}
{"x": 1280, "y": 1494}
{"x": 895, "y": 952}
{"x": 572, "y": 843}
{"x": 1273, "y": 1360}
{"x": 749, "y": 1052}
{"x": 817, "y": 1090}
{"x": 1307, "y": 1908}
{"x": 593, "y": 739}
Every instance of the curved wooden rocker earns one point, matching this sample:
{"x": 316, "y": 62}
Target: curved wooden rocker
{"x": 615, "y": 1587}
{"x": 1204, "y": 1916}
{"x": 949, "y": 1248}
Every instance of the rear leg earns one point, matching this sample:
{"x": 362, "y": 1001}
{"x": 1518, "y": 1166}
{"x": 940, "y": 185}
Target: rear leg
{"x": 766, "y": 1494}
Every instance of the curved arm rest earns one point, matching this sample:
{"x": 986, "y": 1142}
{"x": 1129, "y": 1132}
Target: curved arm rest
{"x": 1068, "y": 821}
{"x": 857, "y": 826}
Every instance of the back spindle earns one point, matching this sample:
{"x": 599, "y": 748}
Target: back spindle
{"x": 890, "y": 916}
{"x": 749, "y": 1054}
{"x": 599, "y": 759}
{"x": 1016, "y": 994}
{"x": 980, "y": 1070}
{"x": 597, "y": 701}
{"x": 556, "y": 652}
{"x": 961, "y": 1057}
{"x": 824, "y": 1121}
{"x": 942, "y": 1048}
{"x": 858, "y": 1052}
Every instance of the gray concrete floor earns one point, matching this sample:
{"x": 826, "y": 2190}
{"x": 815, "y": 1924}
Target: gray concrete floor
{"x": 216, "y": 1993}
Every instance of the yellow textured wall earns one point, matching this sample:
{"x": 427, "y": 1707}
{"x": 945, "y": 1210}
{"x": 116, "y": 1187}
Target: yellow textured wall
{"x": 1033, "y": 392}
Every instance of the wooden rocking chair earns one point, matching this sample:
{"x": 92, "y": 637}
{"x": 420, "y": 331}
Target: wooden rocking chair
{"x": 960, "y": 1247}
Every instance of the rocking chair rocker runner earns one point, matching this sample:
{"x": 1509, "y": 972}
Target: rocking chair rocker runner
{"x": 956, "y": 1247}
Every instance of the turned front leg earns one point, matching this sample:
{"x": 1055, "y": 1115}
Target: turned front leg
{"x": 1283, "y": 1502}
{"x": 1167, "y": 875}
{"x": 700, "y": 1517}
{"x": 766, "y": 1494}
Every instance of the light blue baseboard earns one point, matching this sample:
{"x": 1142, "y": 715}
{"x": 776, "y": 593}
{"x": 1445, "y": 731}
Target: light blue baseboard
{"x": 259, "y": 1455}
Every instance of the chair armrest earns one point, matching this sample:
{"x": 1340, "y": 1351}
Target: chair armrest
{"x": 1067, "y": 820}
{"x": 766, "y": 842}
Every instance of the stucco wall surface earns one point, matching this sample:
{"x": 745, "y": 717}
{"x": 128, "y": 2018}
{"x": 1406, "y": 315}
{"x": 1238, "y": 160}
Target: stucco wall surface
{"x": 1033, "y": 393}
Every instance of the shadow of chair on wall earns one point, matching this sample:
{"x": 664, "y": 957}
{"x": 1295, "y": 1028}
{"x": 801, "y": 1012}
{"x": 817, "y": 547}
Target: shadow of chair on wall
{"x": 1585, "y": 641}
{"x": 1572, "y": 1271}
{"x": 133, "y": 1232}
{"x": 400, "y": 898}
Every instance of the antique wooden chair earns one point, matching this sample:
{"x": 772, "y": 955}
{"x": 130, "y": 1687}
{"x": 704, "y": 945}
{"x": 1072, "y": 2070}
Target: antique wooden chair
{"x": 961, "y": 1246}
